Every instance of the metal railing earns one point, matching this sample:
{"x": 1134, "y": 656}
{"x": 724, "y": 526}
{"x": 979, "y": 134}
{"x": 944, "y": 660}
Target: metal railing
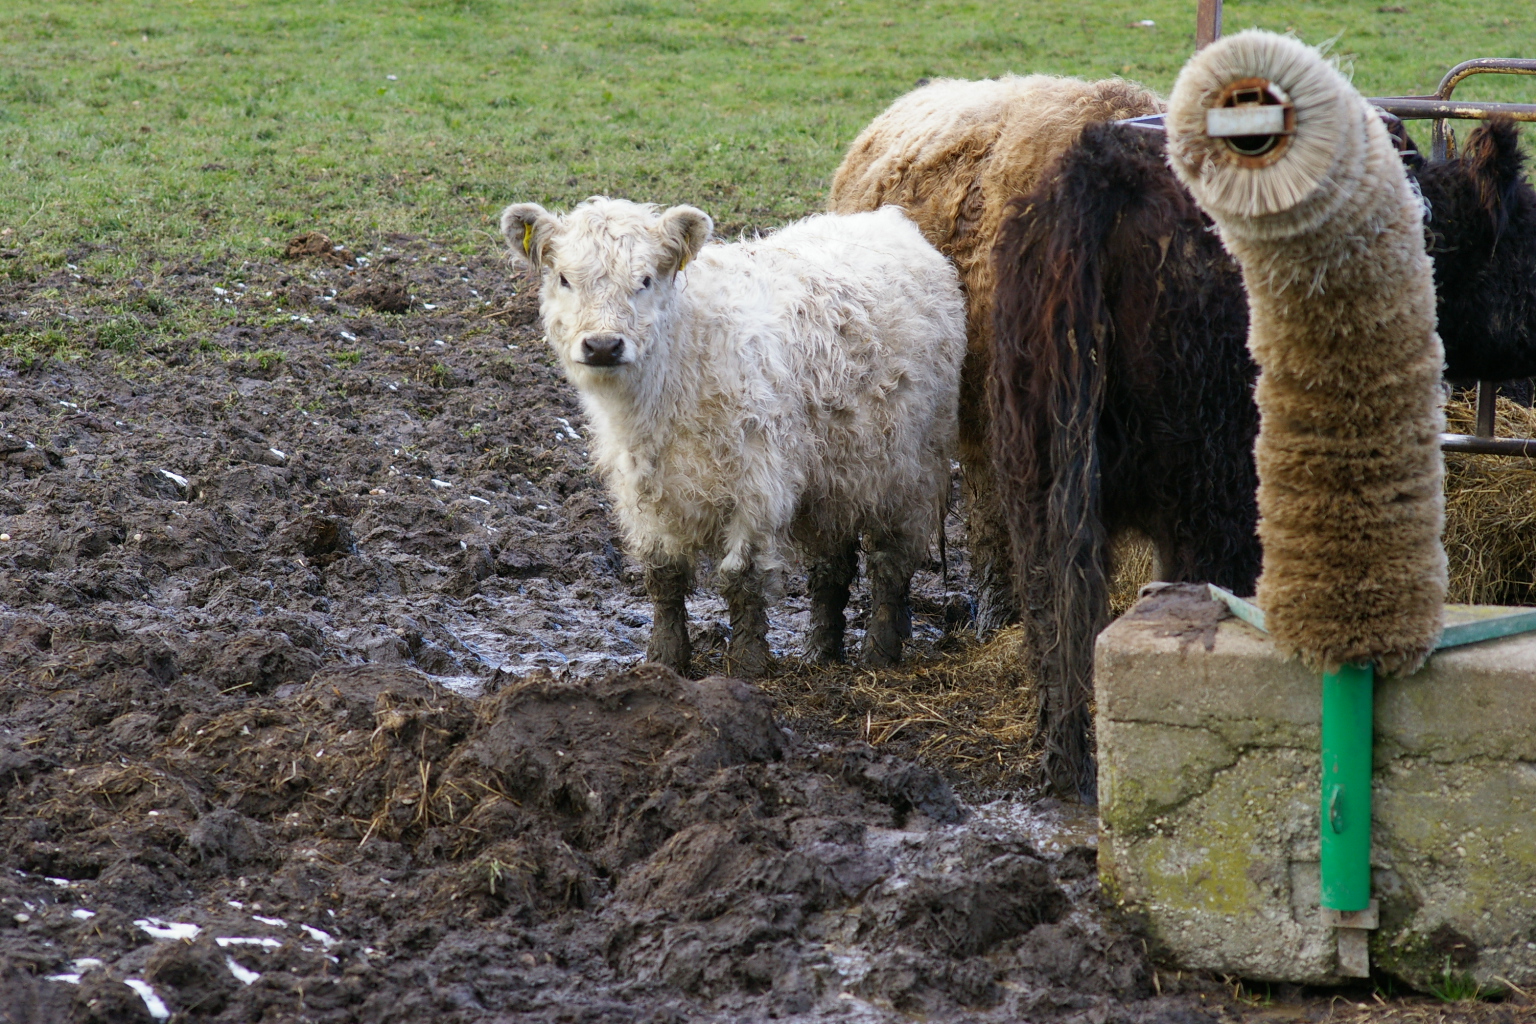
{"x": 1440, "y": 108}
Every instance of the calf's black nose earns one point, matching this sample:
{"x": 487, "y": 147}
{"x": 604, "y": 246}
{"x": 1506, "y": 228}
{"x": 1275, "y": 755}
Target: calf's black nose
{"x": 602, "y": 349}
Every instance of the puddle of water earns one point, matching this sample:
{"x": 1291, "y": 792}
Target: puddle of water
{"x": 1050, "y": 829}
{"x": 588, "y": 630}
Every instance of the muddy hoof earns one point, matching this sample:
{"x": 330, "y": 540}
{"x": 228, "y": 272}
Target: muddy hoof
{"x": 675, "y": 654}
{"x": 995, "y": 608}
{"x": 822, "y": 650}
{"x": 746, "y": 661}
{"x": 882, "y": 639}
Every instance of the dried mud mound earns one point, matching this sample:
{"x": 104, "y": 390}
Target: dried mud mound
{"x": 371, "y": 847}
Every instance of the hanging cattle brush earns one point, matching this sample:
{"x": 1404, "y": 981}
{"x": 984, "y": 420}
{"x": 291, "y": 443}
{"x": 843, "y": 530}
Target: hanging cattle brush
{"x": 1310, "y": 196}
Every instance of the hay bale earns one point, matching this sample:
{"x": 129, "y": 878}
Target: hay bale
{"x": 1331, "y": 242}
{"x": 1490, "y": 512}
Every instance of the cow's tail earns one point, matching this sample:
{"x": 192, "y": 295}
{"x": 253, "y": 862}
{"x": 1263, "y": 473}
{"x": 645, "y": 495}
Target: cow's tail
{"x": 1062, "y": 264}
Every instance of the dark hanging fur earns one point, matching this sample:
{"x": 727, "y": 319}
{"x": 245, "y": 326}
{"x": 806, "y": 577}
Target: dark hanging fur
{"x": 1121, "y": 394}
{"x": 1482, "y": 237}
{"x": 1119, "y": 320}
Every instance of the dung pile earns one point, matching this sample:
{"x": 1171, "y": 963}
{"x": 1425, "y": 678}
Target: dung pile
{"x": 368, "y": 846}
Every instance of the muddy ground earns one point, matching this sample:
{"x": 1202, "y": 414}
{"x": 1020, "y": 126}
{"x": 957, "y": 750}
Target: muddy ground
{"x": 320, "y": 703}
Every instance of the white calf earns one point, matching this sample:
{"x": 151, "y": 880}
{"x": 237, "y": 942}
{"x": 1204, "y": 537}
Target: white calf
{"x": 798, "y": 388}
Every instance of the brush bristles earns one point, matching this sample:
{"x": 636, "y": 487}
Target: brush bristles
{"x": 1326, "y": 148}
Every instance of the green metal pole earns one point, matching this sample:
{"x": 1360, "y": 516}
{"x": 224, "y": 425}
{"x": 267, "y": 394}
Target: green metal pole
{"x": 1346, "y": 811}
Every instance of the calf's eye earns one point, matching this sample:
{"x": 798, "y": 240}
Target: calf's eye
{"x": 645, "y": 282}
{"x": 563, "y": 282}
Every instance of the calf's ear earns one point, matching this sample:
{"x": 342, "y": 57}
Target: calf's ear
{"x": 527, "y": 228}
{"x": 683, "y": 231}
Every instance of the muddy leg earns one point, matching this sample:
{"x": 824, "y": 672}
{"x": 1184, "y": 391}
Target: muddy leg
{"x": 890, "y": 566}
{"x": 746, "y": 655}
{"x": 986, "y": 526}
{"x": 829, "y": 581}
{"x": 668, "y": 586}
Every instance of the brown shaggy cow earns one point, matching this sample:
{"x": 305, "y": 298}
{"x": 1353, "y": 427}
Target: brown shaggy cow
{"x": 952, "y": 154}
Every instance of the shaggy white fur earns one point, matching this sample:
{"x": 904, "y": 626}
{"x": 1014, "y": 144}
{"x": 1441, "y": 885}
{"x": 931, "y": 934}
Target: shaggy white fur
{"x": 800, "y": 387}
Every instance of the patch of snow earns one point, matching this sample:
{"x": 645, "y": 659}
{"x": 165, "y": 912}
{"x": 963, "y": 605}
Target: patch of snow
{"x": 319, "y": 935}
{"x": 153, "y": 1003}
{"x": 158, "y": 929}
{"x": 244, "y": 974}
{"x": 266, "y": 942}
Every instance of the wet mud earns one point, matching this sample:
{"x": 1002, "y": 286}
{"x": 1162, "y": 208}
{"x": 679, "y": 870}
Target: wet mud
{"x": 322, "y": 702}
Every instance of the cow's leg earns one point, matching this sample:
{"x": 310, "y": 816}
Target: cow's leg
{"x": 668, "y": 584}
{"x": 746, "y": 655}
{"x": 1204, "y": 523}
{"x": 985, "y": 522}
{"x": 830, "y": 577}
{"x": 891, "y": 562}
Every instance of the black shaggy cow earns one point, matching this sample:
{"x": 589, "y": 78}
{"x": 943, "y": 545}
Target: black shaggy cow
{"x": 1122, "y": 386}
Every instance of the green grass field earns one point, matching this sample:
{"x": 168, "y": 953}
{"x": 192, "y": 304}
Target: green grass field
{"x": 137, "y": 127}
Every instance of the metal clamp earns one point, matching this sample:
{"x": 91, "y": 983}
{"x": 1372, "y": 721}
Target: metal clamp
{"x": 1354, "y": 934}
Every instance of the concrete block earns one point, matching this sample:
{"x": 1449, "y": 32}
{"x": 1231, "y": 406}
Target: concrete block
{"x": 1208, "y": 789}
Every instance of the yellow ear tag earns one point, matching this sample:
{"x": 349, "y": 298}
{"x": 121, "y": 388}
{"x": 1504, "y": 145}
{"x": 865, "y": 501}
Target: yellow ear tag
{"x": 683, "y": 264}
{"x": 527, "y": 238}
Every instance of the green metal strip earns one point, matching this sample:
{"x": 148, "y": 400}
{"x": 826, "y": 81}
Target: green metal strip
{"x": 1245, "y": 610}
{"x": 1464, "y": 623}
{"x": 1346, "y": 789}
{"x": 1483, "y": 623}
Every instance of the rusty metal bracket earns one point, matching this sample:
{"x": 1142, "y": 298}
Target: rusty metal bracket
{"x": 1207, "y": 23}
{"x": 1255, "y": 119}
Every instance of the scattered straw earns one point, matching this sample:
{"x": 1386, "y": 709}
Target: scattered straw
{"x": 963, "y": 707}
{"x": 1132, "y": 559}
{"x": 1490, "y": 512}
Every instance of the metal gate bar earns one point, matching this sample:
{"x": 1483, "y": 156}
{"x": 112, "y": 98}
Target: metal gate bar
{"x": 1440, "y": 108}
